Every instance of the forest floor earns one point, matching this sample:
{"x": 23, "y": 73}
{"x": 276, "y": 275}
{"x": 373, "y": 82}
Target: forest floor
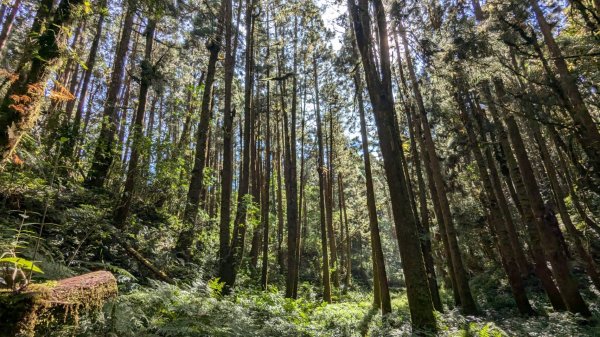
{"x": 74, "y": 236}
{"x": 199, "y": 310}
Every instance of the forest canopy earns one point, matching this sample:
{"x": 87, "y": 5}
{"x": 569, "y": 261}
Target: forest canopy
{"x": 299, "y": 168}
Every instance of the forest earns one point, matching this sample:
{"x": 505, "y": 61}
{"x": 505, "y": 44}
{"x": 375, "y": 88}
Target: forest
{"x": 300, "y": 168}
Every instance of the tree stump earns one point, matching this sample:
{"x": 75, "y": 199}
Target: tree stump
{"x": 42, "y": 304}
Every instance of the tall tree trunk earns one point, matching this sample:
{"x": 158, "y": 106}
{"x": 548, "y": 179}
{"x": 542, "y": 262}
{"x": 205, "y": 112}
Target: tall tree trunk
{"x": 103, "y": 156}
{"x": 229, "y": 266}
{"x": 256, "y": 183}
{"x": 292, "y": 177}
{"x": 301, "y": 196}
{"x": 423, "y": 220}
{"x": 541, "y": 269}
{"x": 416, "y": 127}
{"x": 378, "y": 79}
{"x": 186, "y": 237}
{"x": 516, "y": 246}
{"x": 228, "y": 115}
{"x": 147, "y": 71}
{"x": 266, "y": 178}
{"x": 184, "y": 140}
{"x": 460, "y": 273}
{"x": 280, "y": 255}
{"x": 90, "y": 64}
{"x": 333, "y": 260}
{"x": 322, "y": 191}
{"x": 381, "y": 288}
{"x": 559, "y": 197}
{"x": 572, "y": 193}
{"x": 344, "y": 237}
{"x": 348, "y": 243}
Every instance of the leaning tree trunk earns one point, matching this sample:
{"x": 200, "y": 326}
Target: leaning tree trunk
{"x": 540, "y": 266}
{"x": 8, "y": 24}
{"x": 508, "y": 258}
{"x": 559, "y": 195}
{"x": 423, "y": 219}
{"x": 584, "y": 122}
{"x": 69, "y": 147}
{"x": 376, "y": 65}
{"x": 545, "y": 221}
{"x": 460, "y": 274}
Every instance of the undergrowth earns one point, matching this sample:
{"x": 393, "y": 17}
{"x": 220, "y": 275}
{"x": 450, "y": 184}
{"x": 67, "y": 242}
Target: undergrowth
{"x": 198, "y": 310}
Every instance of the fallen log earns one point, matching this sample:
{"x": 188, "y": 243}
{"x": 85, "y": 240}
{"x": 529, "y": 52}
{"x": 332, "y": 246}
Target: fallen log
{"x": 137, "y": 256}
{"x": 42, "y": 304}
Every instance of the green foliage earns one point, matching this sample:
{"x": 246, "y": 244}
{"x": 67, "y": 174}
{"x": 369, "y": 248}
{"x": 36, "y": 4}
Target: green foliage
{"x": 216, "y": 287}
{"x": 21, "y": 263}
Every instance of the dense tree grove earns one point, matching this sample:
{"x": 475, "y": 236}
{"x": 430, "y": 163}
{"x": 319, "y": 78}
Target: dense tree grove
{"x": 299, "y": 168}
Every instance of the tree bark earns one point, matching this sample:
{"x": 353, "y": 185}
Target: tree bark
{"x": 68, "y": 296}
{"x": 228, "y": 115}
{"x": 292, "y": 177}
{"x": 69, "y": 147}
{"x": 541, "y": 269}
{"x": 423, "y": 220}
{"x": 331, "y": 240}
{"x": 559, "y": 196}
{"x": 103, "y": 156}
{"x": 229, "y": 266}
{"x": 266, "y": 182}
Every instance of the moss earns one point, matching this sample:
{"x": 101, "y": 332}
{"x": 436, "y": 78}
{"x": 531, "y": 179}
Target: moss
{"x": 22, "y": 312}
{"x": 42, "y": 305}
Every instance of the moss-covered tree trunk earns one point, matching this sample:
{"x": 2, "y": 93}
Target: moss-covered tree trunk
{"x": 20, "y": 107}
